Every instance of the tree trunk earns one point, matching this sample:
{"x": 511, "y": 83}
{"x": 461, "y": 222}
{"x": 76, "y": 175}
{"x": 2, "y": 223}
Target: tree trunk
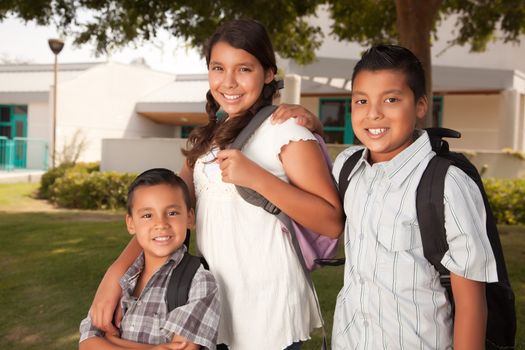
{"x": 415, "y": 19}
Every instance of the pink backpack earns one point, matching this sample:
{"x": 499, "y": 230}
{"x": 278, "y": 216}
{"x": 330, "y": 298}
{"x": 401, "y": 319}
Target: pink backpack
{"x": 311, "y": 248}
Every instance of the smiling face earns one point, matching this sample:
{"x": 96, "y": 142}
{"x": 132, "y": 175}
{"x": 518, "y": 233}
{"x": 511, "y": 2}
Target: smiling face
{"x": 384, "y": 113}
{"x": 159, "y": 219}
{"x": 236, "y": 78}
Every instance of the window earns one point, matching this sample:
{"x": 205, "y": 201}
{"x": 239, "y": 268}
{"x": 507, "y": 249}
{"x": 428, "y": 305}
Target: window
{"x": 437, "y": 110}
{"x": 186, "y": 130}
{"x": 13, "y": 121}
{"x": 13, "y": 126}
{"x": 5, "y": 114}
{"x": 335, "y": 117}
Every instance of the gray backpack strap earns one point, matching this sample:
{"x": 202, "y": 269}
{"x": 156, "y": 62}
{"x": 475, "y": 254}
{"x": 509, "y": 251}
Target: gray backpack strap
{"x": 248, "y": 194}
{"x": 180, "y": 281}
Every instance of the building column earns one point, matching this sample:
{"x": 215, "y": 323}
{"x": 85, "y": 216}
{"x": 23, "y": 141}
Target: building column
{"x": 521, "y": 116}
{"x": 512, "y": 127}
{"x": 292, "y": 89}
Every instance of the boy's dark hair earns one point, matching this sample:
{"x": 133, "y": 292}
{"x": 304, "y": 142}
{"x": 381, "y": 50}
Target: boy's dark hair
{"x": 158, "y": 176}
{"x": 398, "y": 58}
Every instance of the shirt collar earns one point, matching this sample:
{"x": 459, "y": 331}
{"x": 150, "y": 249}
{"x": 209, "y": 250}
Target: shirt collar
{"x": 138, "y": 265}
{"x": 400, "y": 167}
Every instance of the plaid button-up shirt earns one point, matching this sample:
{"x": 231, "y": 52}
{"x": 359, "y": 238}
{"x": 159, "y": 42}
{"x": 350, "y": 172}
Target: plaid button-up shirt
{"x": 146, "y": 318}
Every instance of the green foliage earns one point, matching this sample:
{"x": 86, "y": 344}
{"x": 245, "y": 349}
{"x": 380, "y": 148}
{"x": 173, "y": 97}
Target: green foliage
{"x": 375, "y": 21}
{"x": 113, "y": 23}
{"x": 81, "y": 189}
{"x": 507, "y": 200}
{"x": 364, "y": 21}
{"x": 49, "y": 178}
{"x": 477, "y": 20}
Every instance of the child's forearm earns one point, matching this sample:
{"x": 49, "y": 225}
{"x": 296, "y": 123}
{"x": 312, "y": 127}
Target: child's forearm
{"x": 98, "y": 343}
{"x": 115, "y": 343}
{"x": 470, "y": 320}
{"x": 177, "y": 343}
{"x": 108, "y": 292}
{"x": 311, "y": 198}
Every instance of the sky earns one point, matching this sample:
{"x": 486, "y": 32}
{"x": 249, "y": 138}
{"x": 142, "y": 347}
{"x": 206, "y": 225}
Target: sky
{"x": 27, "y": 42}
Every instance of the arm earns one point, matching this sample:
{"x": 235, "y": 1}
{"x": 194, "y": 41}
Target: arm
{"x": 470, "y": 320}
{"x": 115, "y": 343}
{"x": 186, "y": 173}
{"x": 303, "y": 117}
{"x": 108, "y": 292}
{"x": 310, "y": 198}
{"x": 197, "y": 322}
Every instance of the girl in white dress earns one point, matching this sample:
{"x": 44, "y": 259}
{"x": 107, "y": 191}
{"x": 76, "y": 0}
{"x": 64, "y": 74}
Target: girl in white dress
{"x": 266, "y": 300}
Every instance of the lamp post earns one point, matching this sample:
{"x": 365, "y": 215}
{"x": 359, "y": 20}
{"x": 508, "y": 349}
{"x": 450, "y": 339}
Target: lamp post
{"x": 56, "y": 45}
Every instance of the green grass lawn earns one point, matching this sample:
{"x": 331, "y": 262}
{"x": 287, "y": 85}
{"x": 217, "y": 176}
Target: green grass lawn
{"x": 51, "y": 263}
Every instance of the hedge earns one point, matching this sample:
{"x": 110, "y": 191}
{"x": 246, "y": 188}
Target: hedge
{"x": 49, "y": 177}
{"x": 82, "y": 186}
{"x": 507, "y": 200}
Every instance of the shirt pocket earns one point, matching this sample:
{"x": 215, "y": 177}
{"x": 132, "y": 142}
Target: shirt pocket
{"x": 401, "y": 236}
{"x": 402, "y": 264}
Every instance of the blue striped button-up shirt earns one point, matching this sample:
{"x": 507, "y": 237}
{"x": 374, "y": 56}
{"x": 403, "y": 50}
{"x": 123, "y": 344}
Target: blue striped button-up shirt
{"x": 392, "y": 297}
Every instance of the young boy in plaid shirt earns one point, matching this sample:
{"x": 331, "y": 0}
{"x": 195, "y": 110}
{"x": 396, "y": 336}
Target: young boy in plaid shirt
{"x": 159, "y": 213}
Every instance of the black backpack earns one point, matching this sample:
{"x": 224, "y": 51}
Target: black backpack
{"x": 501, "y": 320}
{"x": 181, "y": 278}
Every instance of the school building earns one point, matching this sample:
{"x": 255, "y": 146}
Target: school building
{"x": 133, "y": 117}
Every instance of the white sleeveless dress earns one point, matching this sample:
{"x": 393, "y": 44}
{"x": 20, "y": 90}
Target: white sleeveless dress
{"x": 266, "y": 302}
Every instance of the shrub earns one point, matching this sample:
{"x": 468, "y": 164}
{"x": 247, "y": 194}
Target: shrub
{"x": 91, "y": 190}
{"x": 507, "y": 200}
{"x": 49, "y": 178}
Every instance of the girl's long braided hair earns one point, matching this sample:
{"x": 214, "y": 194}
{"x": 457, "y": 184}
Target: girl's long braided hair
{"x": 251, "y": 36}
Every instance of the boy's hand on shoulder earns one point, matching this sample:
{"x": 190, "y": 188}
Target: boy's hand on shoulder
{"x": 302, "y": 117}
{"x": 238, "y": 169}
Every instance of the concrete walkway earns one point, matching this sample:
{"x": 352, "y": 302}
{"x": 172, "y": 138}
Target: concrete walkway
{"x": 20, "y": 175}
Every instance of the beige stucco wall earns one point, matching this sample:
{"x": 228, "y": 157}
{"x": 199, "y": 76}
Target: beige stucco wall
{"x": 39, "y": 133}
{"x": 476, "y": 117}
{"x": 137, "y": 155}
{"x": 38, "y": 121}
{"x": 311, "y": 103}
{"x": 101, "y": 104}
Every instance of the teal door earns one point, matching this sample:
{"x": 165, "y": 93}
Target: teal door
{"x": 13, "y": 126}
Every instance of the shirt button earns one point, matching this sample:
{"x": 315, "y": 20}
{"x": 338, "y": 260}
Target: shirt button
{"x": 361, "y": 236}
{"x": 365, "y": 323}
{"x": 361, "y": 280}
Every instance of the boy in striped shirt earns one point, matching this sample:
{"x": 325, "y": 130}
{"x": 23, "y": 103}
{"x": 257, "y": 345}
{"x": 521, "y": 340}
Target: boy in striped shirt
{"x": 392, "y": 297}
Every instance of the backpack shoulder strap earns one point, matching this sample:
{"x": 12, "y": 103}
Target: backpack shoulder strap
{"x": 431, "y": 211}
{"x": 253, "y": 125}
{"x": 180, "y": 281}
{"x": 346, "y": 169}
{"x": 248, "y": 194}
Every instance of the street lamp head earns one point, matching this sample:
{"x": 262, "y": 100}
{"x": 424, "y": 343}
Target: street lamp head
{"x": 56, "y": 45}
